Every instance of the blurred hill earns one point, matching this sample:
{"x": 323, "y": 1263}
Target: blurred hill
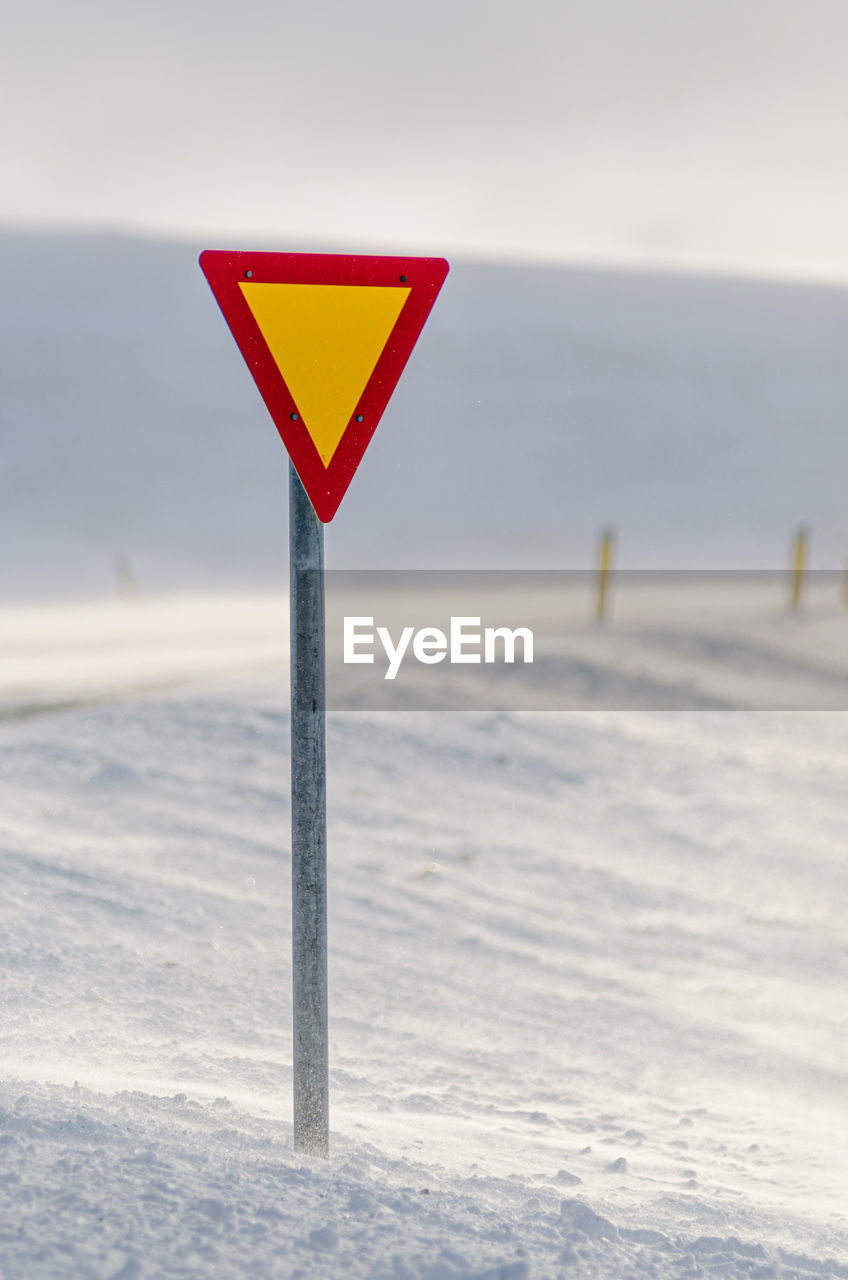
{"x": 705, "y": 417}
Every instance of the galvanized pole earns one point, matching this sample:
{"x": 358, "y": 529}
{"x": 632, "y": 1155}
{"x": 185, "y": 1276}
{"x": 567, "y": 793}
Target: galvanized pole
{"x": 309, "y": 825}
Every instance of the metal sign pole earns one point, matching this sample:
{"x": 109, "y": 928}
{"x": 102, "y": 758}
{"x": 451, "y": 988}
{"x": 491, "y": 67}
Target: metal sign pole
{"x": 356, "y": 319}
{"x": 309, "y": 825}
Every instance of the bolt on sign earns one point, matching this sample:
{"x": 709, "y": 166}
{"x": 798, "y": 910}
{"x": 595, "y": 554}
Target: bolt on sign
{"x": 326, "y": 338}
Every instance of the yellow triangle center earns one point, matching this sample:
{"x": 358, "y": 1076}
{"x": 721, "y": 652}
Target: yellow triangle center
{"x": 326, "y": 340}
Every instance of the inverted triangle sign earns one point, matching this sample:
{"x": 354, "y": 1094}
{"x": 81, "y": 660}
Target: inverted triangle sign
{"x": 326, "y": 337}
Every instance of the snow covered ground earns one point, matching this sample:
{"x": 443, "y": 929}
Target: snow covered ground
{"x": 587, "y": 980}
{"x": 587, "y": 968}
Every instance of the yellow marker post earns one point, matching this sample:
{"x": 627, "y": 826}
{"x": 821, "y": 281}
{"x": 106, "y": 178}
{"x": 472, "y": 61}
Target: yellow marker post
{"x": 802, "y": 538}
{"x": 607, "y": 543}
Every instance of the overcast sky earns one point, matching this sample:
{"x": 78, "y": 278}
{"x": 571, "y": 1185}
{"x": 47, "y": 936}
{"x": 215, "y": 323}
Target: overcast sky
{"x": 695, "y": 132}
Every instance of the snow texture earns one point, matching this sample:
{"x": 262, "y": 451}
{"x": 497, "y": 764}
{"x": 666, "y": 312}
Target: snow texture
{"x": 587, "y": 970}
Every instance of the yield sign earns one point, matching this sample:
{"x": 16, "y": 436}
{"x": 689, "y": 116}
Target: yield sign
{"x": 326, "y": 338}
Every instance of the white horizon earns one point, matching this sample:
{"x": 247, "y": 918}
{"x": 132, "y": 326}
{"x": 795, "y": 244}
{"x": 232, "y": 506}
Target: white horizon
{"x": 782, "y": 270}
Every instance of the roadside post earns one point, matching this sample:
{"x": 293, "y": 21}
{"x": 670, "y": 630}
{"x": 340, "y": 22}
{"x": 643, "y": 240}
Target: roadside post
{"x": 802, "y": 542}
{"x": 604, "y": 569}
{"x": 326, "y": 338}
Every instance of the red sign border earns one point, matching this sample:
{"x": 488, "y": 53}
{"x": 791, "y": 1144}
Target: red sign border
{"x": 225, "y": 270}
